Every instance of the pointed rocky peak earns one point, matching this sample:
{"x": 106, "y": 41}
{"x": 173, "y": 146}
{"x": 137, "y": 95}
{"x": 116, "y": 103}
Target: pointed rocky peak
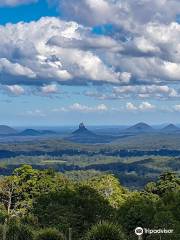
{"x": 82, "y": 126}
{"x": 82, "y": 130}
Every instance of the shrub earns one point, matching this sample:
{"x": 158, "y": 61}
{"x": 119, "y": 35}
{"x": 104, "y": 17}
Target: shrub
{"x": 1, "y": 231}
{"x": 25, "y": 233}
{"x": 19, "y": 232}
{"x": 49, "y": 234}
{"x": 105, "y": 231}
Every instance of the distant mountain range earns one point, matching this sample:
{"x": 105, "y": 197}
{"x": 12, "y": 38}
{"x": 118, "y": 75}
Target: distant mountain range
{"x": 9, "y": 131}
{"x": 145, "y": 128}
{"x": 84, "y": 135}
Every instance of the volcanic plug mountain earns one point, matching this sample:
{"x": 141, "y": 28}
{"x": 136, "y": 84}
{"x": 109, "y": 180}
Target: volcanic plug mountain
{"x": 82, "y": 130}
{"x": 83, "y": 135}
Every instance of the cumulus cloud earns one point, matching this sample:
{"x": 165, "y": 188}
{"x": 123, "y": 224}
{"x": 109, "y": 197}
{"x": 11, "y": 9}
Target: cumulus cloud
{"x": 12, "y": 3}
{"x": 142, "y": 54}
{"x": 126, "y": 13}
{"x": 83, "y": 108}
{"x": 151, "y": 49}
{"x": 77, "y": 107}
{"x": 145, "y": 91}
{"x": 160, "y": 92}
{"x": 28, "y": 49}
{"x": 35, "y": 113}
{"x": 15, "y": 69}
{"x": 15, "y": 90}
{"x": 144, "y": 106}
{"x": 87, "y": 11}
{"x": 49, "y": 89}
{"x": 87, "y": 42}
{"x": 131, "y": 107}
{"x": 176, "y": 108}
{"x": 153, "y": 54}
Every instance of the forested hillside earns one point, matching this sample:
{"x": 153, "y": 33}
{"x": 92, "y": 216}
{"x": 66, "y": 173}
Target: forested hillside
{"x": 45, "y": 205}
{"x": 135, "y": 162}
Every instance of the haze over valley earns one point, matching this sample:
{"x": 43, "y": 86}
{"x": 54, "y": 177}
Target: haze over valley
{"x": 135, "y": 154}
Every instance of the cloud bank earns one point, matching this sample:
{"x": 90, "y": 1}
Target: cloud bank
{"x": 139, "y": 58}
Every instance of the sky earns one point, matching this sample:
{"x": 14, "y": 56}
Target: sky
{"x": 103, "y": 62}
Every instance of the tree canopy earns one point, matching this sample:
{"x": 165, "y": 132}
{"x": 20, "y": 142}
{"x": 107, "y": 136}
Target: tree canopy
{"x": 45, "y": 202}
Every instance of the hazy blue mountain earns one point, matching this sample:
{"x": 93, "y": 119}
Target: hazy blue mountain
{"x": 170, "y": 128}
{"x": 6, "y": 130}
{"x": 33, "y": 132}
{"x": 30, "y": 132}
{"x": 140, "y": 128}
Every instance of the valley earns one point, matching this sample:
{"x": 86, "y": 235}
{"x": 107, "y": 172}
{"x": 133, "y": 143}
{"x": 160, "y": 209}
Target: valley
{"x": 136, "y": 156}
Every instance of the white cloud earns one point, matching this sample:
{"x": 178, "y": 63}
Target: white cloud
{"x": 87, "y": 42}
{"x": 144, "y": 45}
{"x": 49, "y": 89}
{"x": 176, "y": 108}
{"x": 36, "y": 113}
{"x": 172, "y": 70}
{"x": 144, "y": 106}
{"x": 145, "y": 91}
{"x": 160, "y": 92}
{"x": 126, "y": 13}
{"x": 143, "y": 48}
{"x": 87, "y": 11}
{"x": 102, "y": 108}
{"x": 15, "y": 90}
{"x": 84, "y": 108}
{"x": 151, "y": 51}
{"x": 15, "y": 69}
{"x": 131, "y": 107}
{"x": 77, "y": 107}
{"x": 150, "y": 70}
{"x": 28, "y": 49}
{"x": 92, "y": 67}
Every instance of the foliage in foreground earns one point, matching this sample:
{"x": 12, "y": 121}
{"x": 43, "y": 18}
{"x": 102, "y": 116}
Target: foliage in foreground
{"x": 105, "y": 231}
{"x": 44, "y": 205}
{"x": 49, "y": 234}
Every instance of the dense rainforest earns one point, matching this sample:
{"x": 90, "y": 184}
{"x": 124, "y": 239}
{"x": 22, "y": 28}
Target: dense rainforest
{"x": 45, "y": 205}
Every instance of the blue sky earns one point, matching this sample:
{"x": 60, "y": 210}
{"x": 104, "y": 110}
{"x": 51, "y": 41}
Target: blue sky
{"x": 101, "y": 62}
{"x": 27, "y": 13}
